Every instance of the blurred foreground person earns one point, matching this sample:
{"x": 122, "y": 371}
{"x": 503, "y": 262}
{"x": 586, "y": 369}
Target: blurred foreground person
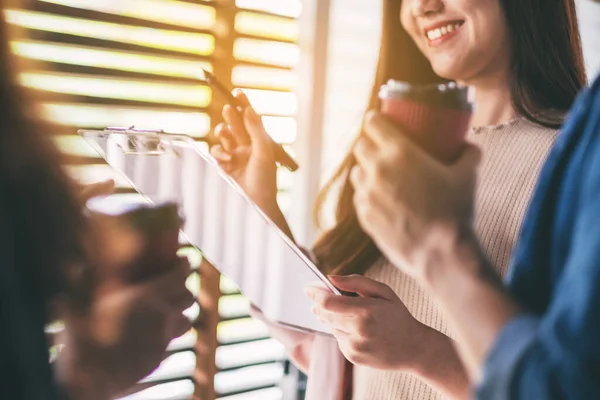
{"x": 59, "y": 264}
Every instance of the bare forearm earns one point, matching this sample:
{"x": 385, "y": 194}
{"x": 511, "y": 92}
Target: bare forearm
{"x": 440, "y": 366}
{"x": 473, "y": 299}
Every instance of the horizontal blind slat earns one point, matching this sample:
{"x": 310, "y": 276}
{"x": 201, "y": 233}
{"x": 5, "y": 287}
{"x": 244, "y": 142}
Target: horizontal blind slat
{"x": 172, "y": 40}
{"x": 99, "y": 116}
{"x": 171, "y": 12}
{"x": 145, "y": 91}
{"x": 98, "y": 57}
{"x": 128, "y": 63}
{"x": 287, "y": 8}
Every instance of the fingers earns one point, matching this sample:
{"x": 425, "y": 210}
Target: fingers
{"x": 183, "y": 300}
{"x": 363, "y": 286}
{"x": 169, "y": 297}
{"x": 339, "y": 322}
{"x": 334, "y": 303}
{"x": 261, "y": 141}
{"x": 242, "y": 98}
{"x": 244, "y": 129}
{"x": 169, "y": 288}
{"x": 178, "y": 326}
{"x": 234, "y": 120}
{"x": 229, "y": 162}
{"x": 223, "y": 133}
{"x": 388, "y": 140}
{"x": 365, "y": 152}
{"x": 90, "y": 191}
{"x": 357, "y": 176}
{"x": 221, "y": 155}
{"x": 380, "y": 130}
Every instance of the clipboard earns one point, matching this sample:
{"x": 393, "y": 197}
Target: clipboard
{"x": 232, "y": 232}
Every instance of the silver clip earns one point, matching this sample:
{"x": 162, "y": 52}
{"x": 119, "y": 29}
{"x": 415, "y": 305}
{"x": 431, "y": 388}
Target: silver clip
{"x": 136, "y": 141}
{"x": 133, "y": 129}
{"x": 139, "y": 141}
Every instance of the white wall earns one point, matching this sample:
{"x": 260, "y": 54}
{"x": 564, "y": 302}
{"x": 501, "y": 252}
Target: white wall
{"x": 354, "y": 32}
{"x": 355, "y": 26}
{"x": 589, "y": 20}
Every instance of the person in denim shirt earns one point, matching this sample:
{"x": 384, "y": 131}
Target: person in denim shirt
{"x": 537, "y": 336}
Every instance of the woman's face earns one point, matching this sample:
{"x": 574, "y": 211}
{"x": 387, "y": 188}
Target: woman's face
{"x": 463, "y": 39}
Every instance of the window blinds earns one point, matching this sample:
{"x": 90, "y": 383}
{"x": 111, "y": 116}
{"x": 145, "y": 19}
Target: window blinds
{"x": 135, "y": 62}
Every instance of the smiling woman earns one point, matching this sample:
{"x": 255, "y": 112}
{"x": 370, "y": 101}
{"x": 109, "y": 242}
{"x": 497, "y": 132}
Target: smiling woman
{"x": 522, "y": 95}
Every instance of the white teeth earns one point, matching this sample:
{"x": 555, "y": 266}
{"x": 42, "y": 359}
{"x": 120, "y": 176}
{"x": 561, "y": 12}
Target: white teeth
{"x": 439, "y": 32}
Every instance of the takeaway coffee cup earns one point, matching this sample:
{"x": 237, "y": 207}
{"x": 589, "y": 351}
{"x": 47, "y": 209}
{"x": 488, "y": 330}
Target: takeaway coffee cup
{"x": 434, "y": 116}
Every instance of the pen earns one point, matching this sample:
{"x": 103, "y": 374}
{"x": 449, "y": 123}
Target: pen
{"x": 281, "y": 156}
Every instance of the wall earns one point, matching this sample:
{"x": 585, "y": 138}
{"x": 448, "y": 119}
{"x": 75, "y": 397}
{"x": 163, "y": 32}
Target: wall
{"x": 589, "y": 20}
{"x": 353, "y": 48}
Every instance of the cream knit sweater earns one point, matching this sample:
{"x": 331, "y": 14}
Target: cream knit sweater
{"x": 513, "y": 154}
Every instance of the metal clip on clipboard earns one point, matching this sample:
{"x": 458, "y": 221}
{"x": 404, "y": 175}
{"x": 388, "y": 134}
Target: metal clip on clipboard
{"x": 232, "y": 232}
{"x": 139, "y": 141}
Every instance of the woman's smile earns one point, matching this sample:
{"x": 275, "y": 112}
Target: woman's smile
{"x": 441, "y": 32}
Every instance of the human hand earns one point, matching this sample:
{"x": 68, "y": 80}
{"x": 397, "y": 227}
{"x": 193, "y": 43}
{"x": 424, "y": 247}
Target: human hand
{"x": 89, "y": 191}
{"x": 297, "y": 343}
{"x": 245, "y": 152}
{"x": 405, "y": 199}
{"x": 123, "y": 336}
{"x": 119, "y": 333}
{"x": 375, "y": 329}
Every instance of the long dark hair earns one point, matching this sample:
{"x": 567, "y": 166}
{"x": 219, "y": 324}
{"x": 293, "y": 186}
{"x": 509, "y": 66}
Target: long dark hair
{"x": 547, "y": 73}
{"x": 36, "y": 196}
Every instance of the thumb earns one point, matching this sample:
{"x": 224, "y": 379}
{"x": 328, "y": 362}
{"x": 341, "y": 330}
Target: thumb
{"x": 364, "y": 286}
{"x": 92, "y": 190}
{"x": 258, "y": 135}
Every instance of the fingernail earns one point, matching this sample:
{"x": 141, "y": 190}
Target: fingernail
{"x": 310, "y": 292}
{"x": 239, "y": 93}
{"x": 225, "y": 157}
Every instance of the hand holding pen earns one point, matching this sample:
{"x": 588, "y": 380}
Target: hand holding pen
{"x": 245, "y": 152}
{"x": 239, "y": 104}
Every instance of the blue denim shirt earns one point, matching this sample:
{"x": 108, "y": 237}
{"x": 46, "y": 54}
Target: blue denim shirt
{"x": 552, "y": 351}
